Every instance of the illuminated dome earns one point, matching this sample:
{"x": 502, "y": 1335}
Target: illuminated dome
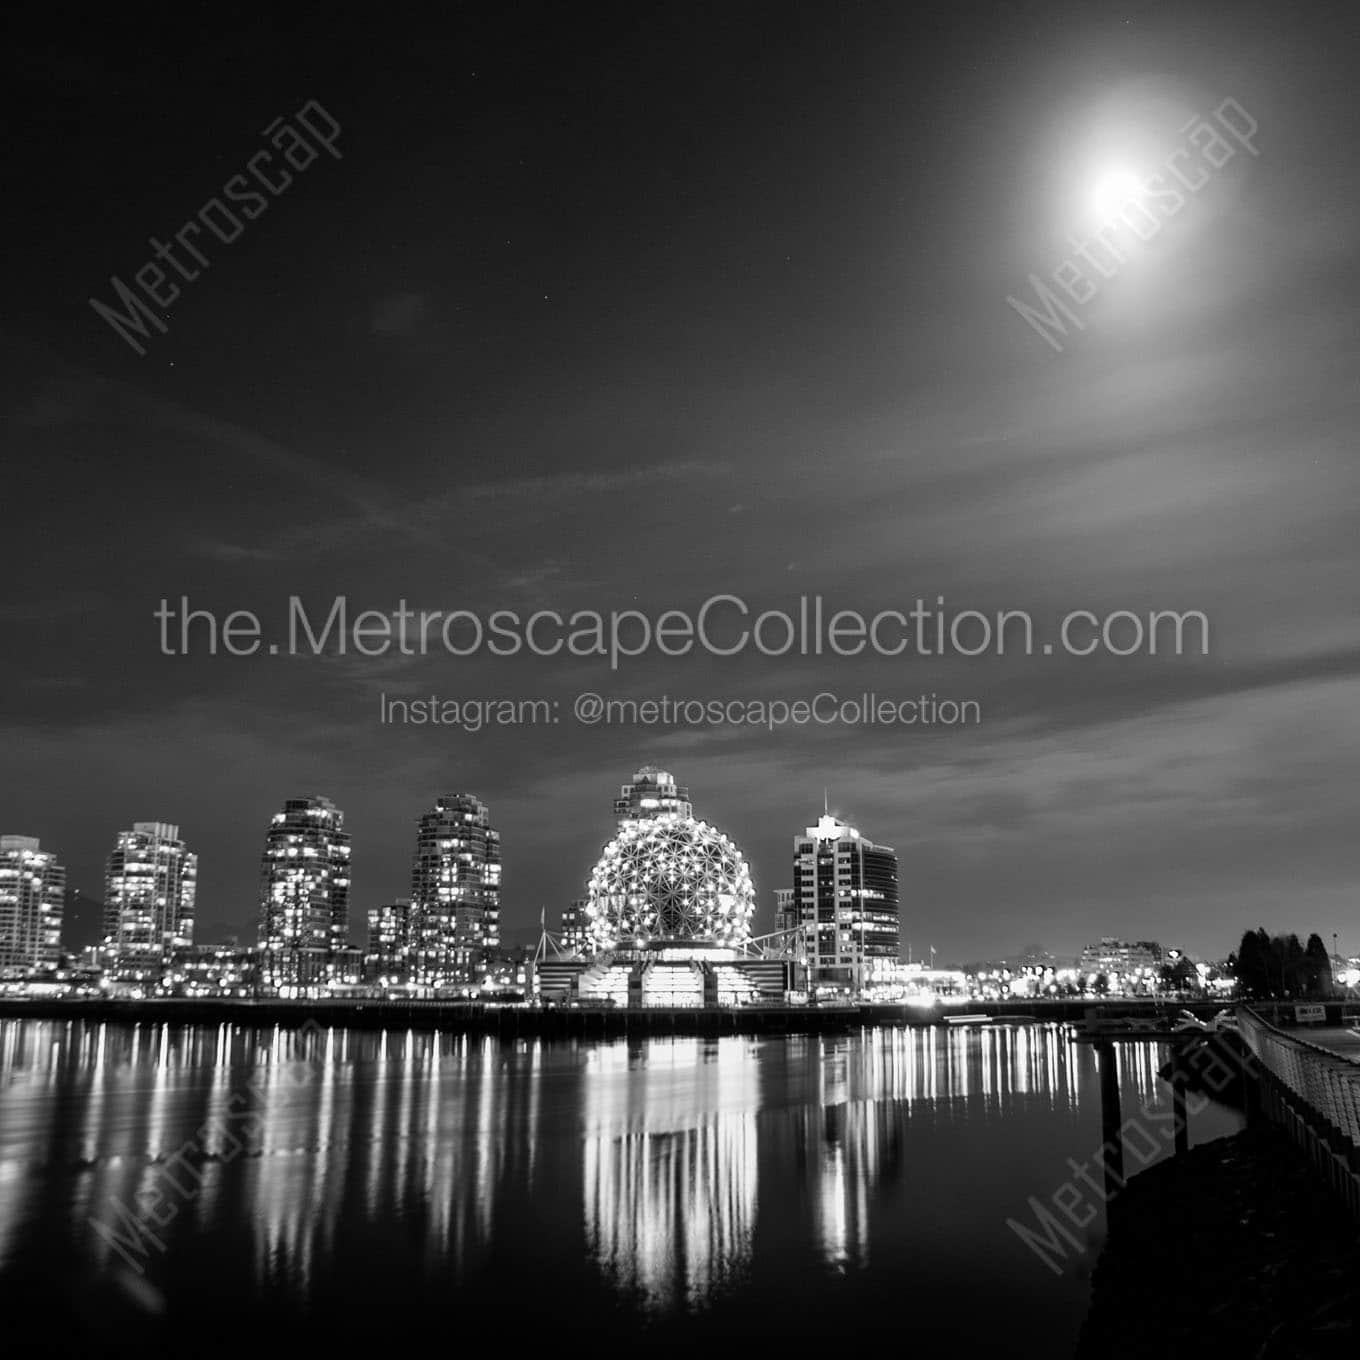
{"x": 669, "y": 878}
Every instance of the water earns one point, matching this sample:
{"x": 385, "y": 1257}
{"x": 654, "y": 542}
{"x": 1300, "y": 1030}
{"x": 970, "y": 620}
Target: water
{"x": 191, "y": 1188}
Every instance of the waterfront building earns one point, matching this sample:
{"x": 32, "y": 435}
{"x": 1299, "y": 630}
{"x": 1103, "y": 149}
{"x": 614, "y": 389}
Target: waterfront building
{"x": 390, "y": 957}
{"x": 668, "y": 912}
{"x": 575, "y": 931}
{"x": 509, "y": 971}
{"x": 456, "y": 892}
{"x": 304, "y": 895}
{"x": 346, "y": 968}
{"x": 149, "y": 889}
{"x": 227, "y": 969}
{"x": 845, "y": 905}
{"x": 32, "y": 891}
{"x": 1126, "y": 966}
{"x": 666, "y": 920}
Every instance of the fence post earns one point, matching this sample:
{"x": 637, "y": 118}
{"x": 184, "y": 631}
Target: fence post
{"x": 1109, "y": 1118}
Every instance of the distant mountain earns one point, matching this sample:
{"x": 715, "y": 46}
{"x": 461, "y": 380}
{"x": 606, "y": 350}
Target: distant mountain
{"x": 82, "y": 921}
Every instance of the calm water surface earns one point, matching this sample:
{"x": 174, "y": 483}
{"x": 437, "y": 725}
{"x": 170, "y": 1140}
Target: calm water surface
{"x": 175, "y": 1189}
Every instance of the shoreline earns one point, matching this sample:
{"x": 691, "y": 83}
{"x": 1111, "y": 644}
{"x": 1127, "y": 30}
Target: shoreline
{"x": 511, "y": 1021}
{"x": 1235, "y": 1246}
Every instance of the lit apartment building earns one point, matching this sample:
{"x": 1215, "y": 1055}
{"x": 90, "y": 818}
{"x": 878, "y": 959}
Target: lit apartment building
{"x": 304, "y": 895}
{"x": 456, "y": 892}
{"x": 32, "y": 890}
{"x": 149, "y": 888}
{"x": 844, "y": 905}
{"x": 390, "y": 957}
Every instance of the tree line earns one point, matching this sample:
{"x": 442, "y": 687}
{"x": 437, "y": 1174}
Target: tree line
{"x": 1268, "y": 965}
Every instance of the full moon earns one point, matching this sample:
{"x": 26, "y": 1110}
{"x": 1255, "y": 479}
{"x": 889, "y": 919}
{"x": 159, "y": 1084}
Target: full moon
{"x": 1113, "y": 189}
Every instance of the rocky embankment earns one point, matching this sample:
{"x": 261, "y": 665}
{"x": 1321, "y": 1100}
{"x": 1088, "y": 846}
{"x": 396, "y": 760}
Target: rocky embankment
{"x": 1234, "y": 1249}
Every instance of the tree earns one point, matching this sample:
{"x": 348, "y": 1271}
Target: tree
{"x": 1279, "y": 966}
{"x": 1295, "y": 978}
{"x": 1317, "y": 966}
{"x": 1253, "y": 963}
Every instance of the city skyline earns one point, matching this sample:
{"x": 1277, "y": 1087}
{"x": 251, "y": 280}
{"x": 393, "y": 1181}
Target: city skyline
{"x": 651, "y": 792}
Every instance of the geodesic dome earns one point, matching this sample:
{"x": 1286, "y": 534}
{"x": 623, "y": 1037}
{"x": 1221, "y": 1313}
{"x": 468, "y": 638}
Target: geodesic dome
{"x": 670, "y": 878}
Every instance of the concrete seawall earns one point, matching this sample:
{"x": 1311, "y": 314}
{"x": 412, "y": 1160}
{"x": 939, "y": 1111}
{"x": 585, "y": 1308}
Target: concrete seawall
{"x": 551, "y": 1022}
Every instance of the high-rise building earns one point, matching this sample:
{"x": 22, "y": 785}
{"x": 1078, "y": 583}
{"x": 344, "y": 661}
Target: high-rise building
{"x": 785, "y": 914}
{"x": 844, "y": 904}
{"x": 149, "y": 889}
{"x": 304, "y": 894}
{"x": 653, "y": 793}
{"x": 389, "y": 959}
{"x": 32, "y": 889}
{"x": 456, "y": 891}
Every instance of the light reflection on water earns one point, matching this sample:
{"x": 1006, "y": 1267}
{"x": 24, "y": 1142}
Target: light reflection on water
{"x": 749, "y": 1182}
{"x": 670, "y": 1173}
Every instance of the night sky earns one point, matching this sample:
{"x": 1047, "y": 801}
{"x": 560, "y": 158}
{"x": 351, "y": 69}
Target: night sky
{"x": 624, "y": 308}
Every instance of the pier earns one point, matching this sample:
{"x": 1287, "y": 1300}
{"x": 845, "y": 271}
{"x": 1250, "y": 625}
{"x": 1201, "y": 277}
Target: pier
{"x": 1306, "y": 1083}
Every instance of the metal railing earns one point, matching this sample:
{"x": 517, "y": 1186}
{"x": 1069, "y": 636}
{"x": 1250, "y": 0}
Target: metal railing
{"x": 1313, "y": 1094}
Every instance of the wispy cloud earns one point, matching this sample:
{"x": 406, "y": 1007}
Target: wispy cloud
{"x": 427, "y": 518}
{"x": 73, "y": 395}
